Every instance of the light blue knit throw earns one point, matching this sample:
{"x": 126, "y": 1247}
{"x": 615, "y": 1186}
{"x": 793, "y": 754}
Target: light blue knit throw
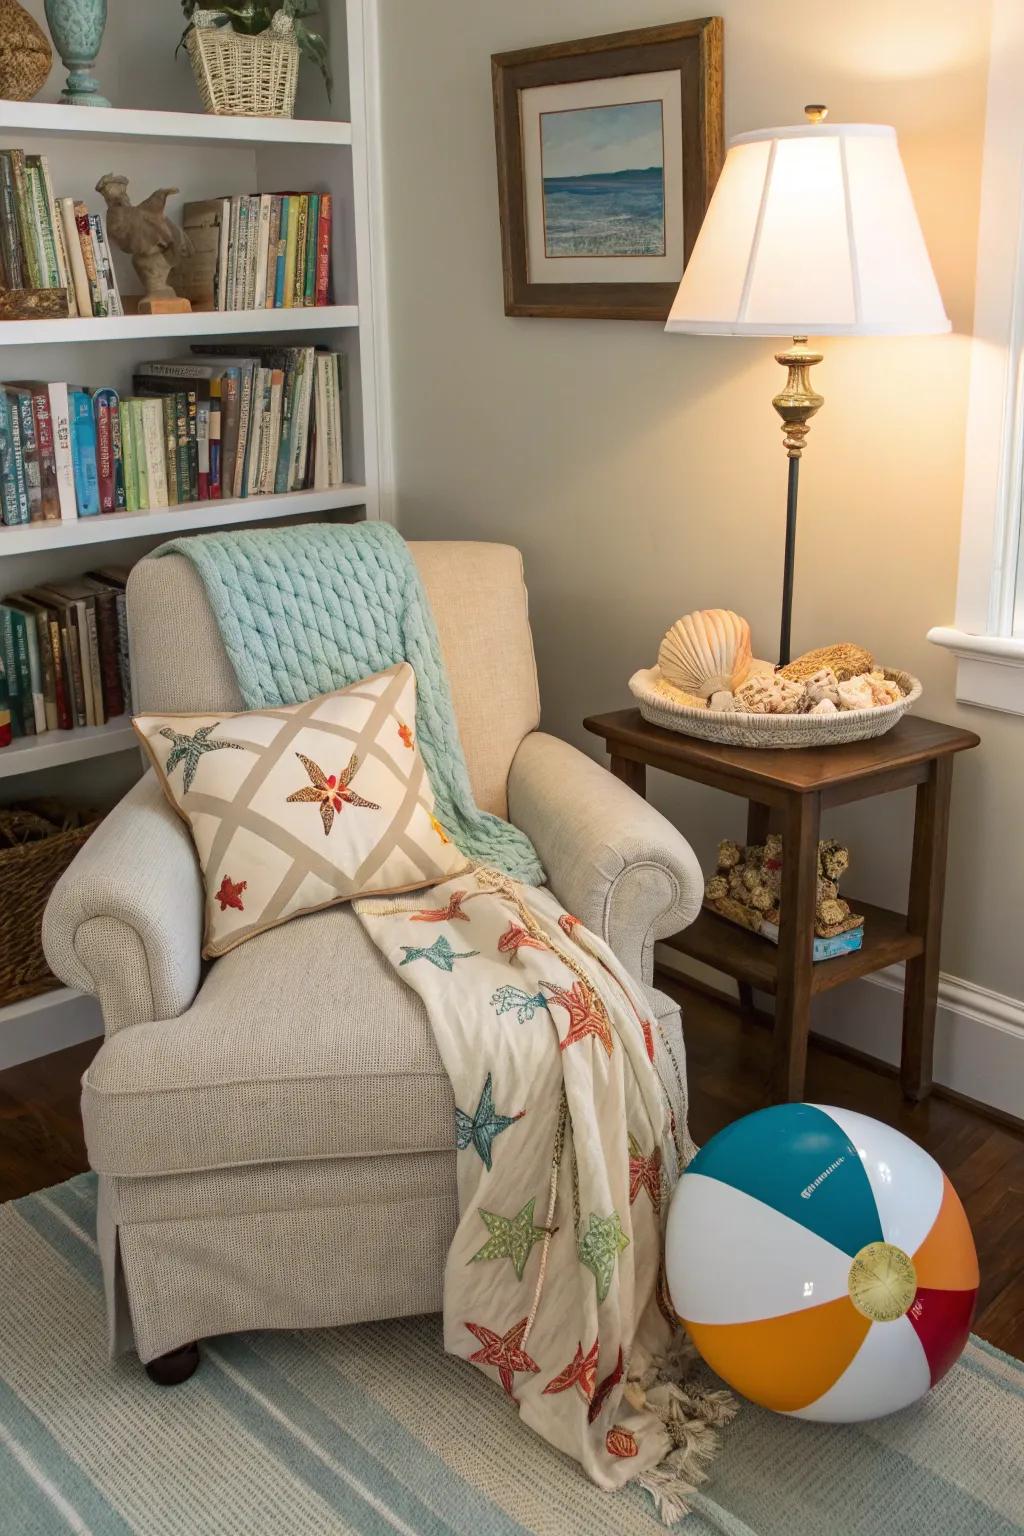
{"x": 307, "y": 610}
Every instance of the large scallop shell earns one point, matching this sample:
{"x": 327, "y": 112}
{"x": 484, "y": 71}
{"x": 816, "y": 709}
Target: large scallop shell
{"x": 706, "y": 652}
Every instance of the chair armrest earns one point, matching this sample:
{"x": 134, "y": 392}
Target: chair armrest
{"x": 611, "y": 859}
{"x": 125, "y": 920}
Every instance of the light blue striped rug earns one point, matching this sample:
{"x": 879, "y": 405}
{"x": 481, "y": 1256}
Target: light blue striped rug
{"x": 372, "y": 1431}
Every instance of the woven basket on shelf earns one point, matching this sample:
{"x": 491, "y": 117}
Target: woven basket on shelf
{"x": 242, "y": 76}
{"x": 739, "y": 729}
{"x": 37, "y": 843}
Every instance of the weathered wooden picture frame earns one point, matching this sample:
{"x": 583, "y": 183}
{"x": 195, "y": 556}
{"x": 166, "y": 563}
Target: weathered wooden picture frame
{"x": 608, "y": 149}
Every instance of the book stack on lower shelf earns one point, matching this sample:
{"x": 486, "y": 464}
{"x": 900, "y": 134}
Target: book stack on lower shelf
{"x": 52, "y": 245}
{"x": 64, "y": 654}
{"x": 198, "y": 428}
{"x": 270, "y": 251}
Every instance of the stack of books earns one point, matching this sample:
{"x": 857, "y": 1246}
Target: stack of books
{"x": 270, "y": 251}
{"x": 203, "y": 427}
{"x": 64, "y": 650}
{"x": 48, "y": 242}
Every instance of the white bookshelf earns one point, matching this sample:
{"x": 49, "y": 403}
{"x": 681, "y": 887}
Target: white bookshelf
{"x": 189, "y": 517}
{"x": 28, "y": 119}
{"x": 183, "y": 328}
{"x": 53, "y": 749}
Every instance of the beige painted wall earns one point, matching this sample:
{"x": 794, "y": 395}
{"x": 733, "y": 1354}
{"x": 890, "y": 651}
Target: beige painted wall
{"x": 642, "y": 475}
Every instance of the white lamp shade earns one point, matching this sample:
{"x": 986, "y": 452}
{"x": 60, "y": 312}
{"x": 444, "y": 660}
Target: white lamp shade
{"x": 811, "y": 231}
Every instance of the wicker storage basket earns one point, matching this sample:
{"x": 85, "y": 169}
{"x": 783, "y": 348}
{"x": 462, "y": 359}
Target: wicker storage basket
{"x": 736, "y": 729}
{"x": 242, "y": 76}
{"x": 38, "y": 840}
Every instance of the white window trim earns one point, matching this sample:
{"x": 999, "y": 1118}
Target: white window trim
{"x": 990, "y": 661}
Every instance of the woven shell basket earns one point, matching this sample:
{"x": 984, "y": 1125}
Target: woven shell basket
{"x": 37, "y": 843}
{"x": 735, "y": 729}
{"x": 240, "y": 76}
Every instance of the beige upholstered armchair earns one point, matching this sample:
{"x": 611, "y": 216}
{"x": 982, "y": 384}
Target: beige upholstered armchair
{"x": 248, "y": 1116}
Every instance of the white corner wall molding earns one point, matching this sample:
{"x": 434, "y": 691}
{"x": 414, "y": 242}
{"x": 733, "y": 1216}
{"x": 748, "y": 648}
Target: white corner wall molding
{"x": 990, "y": 668}
{"x": 51, "y": 1022}
{"x": 979, "y": 1034}
{"x": 989, "y": 604}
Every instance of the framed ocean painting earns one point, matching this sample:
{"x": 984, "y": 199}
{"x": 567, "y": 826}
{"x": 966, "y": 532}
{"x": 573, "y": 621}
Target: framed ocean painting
{"x": 608, "y": 152}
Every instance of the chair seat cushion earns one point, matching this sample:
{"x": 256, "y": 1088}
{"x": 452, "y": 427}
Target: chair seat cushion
{"x": 301, "y": 1044}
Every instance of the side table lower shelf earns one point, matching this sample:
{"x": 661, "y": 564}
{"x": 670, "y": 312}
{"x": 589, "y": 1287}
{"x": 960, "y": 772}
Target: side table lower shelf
{"x": 749, "y": 958}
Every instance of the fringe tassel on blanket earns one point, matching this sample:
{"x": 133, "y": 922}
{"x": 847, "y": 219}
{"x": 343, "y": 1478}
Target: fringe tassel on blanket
{"x": 692, "y": 1412}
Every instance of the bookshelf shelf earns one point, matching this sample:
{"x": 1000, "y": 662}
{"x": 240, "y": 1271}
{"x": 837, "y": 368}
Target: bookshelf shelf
{"x": 34, "y": 537}
{"x": 218, "y": 322}
{"x": 30, "y": 753}
{"x": 36, "y": 117}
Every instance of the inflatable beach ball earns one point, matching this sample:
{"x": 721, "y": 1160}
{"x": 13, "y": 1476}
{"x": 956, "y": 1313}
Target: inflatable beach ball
{"x": 821, "y": 1263}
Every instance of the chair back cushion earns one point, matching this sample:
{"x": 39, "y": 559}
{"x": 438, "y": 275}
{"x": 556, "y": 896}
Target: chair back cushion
{"x": 478, "y": 598}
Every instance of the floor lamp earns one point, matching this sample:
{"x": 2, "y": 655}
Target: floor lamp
{"x": 811, "y": 231}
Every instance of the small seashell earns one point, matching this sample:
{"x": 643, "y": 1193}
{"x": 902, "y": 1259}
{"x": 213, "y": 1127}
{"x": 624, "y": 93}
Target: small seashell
{"x": 845, "y": 660}
{"x": 855, "y": 693}
{"x": 722, "y": 701}
{"x": 706, "y": 652}
{"x": 716, "y": 887}
{"x": 883, "y": 689}
{"x": 824, "y": 707}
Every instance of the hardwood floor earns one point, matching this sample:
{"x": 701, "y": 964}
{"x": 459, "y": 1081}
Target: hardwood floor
{"x": 728, "y": 1066}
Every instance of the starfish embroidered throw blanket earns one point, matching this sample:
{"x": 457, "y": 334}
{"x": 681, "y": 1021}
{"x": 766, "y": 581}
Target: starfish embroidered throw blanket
{"x": 308, "y": 610}
{"x": 571, "y": 1132}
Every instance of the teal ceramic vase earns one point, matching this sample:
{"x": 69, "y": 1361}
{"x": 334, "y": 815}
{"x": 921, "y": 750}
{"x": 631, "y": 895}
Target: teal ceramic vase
{"x": 76, "y": 27}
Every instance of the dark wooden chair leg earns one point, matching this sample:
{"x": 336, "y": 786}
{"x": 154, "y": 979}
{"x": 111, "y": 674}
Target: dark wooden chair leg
{"x": 924, "y": 917}
{"x": 800, "y": 829}
{"x": 176, "y": 1366}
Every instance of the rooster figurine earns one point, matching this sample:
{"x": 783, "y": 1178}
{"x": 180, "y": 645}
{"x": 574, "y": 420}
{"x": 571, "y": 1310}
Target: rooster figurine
{"x": 145, "y": 233}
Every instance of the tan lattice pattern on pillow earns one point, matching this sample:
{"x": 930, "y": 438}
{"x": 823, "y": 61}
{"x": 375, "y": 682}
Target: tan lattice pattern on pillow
{"x": 294, "y": 809}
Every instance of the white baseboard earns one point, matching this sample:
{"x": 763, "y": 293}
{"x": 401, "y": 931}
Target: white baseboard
{"x": 979, "y": 1034}
{"x": 40, "y": 1025}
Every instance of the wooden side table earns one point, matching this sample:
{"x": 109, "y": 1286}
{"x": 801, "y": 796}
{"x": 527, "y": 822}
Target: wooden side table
{"x": 793, "y": 788}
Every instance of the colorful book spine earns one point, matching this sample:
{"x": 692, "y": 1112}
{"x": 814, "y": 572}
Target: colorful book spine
{"x": 29, "y": 454}
{"x": 192, "y": 401}
{"x": 10, "y": 239}
{"x": 131, "y": 473}
{"x": 259, "y": 294}
{"x": 84, "y": 228}
{"x": 20, "y": 485}
{"x": 64, "y": 260}
{"x": 114, "y": 305}
{"x": 273, "y": 237}
{"x": 83, "y": 453}
{"x": 281, "y": 265}
{"x": 153, "y": 440}
{"x": 49, "y": 490}
{"x": 323, "y": 250}
{"x": 312, "y": 247}
{"x": 120, "y": 490}
{"x": 216, "y": 419}
{"x": 60, "y": 417}
{"x": 203, "y": 448}
{"x": 299, "y": 277}
{"x": 76, "y": 261}
{"x": 291, "y": 250}
{"x": 104, "y": 451}
{"x": 26, "y": 224}
{"x": 42, "y": 219}
{"x": 181, "y": 446}
{"x": 139, "y": 445}
{"x": 170, "y": 416}
{"x": 9, "y": 652}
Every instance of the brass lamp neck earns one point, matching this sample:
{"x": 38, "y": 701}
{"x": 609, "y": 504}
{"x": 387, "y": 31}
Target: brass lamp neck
{"x": 797, "y": 402}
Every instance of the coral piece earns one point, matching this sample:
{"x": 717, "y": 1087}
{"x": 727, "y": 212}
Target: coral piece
{"x": 821, "y": 685}
{"x": 833, "y": 859}
{"x": 679, "y": 695}
{"x": 856, "y": 693}
{"x": 747, "y": 884}
{"x": 762, "y": 695}
{"x": 706, "y": 652}
{"x": 723, "y": 701}
{"x": 824, "y": 707}
{"x": 883, "y": 689}
{"x": 846, "y": 660}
